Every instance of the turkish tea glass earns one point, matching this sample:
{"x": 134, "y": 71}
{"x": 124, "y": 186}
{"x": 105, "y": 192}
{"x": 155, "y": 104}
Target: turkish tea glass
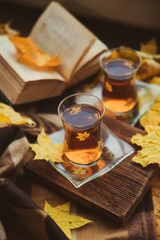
{"x": 81, "y": 115}
{"x": 120, "y": 66}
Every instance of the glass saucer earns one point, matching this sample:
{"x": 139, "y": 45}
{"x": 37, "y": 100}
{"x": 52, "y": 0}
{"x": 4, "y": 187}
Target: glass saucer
{"x": 115, "y": 150}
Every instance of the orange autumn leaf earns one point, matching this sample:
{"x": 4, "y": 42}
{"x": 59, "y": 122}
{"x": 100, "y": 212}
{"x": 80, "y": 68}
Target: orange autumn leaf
{"x": 28, "y": 53}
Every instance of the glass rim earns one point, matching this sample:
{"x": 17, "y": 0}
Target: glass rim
{"x": 117, "y": 49}
{"x": 82, "y": 94}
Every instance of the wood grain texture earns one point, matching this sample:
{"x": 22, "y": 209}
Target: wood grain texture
{"x": 115, "y": 194}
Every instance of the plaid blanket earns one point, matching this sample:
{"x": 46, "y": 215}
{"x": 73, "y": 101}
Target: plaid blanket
{"x": 21, "y": 213}
{"x": 20, "y": 217}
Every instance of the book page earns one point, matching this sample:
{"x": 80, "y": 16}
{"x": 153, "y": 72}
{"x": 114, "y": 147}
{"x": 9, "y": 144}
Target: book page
{"x": 8, "y": 52}
{"x": 97, "y": 48}
{"x": 87, "y": 70}
{"x": 58, "y": 32}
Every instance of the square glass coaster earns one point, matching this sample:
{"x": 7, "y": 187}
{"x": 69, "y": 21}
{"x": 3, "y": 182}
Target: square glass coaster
{"x": 115, "y": 150}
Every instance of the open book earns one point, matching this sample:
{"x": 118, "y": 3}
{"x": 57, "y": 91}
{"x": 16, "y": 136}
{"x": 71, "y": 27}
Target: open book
{"x": 55, "y": 32}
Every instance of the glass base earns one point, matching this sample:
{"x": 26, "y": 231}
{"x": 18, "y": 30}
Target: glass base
{"x": 126, "y": 117}
{"x": 115, "y": 150}
{"x": 65, "y": 159}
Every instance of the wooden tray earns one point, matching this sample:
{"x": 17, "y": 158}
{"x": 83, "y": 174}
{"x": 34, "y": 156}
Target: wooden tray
{"x": 116, "y": 194}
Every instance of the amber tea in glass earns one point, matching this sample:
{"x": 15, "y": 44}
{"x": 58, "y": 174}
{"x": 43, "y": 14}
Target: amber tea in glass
{"x": 120, "y": 66}
{"x": 81, "y": 116}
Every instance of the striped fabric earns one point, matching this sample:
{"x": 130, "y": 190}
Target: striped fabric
{"x": 20, "y": 217}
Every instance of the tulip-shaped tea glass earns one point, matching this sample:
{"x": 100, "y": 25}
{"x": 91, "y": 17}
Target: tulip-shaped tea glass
{"x": 120, "y": 66}
{"x": 81, "y": 115}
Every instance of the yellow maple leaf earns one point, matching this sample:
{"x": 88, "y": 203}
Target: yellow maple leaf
{"x": 152, "y": 116}
{"x": 150, "y": 143}
{"x": 61, "y": 215}
{"x": 46, "y": 150}
{"x": 82, "y": 136}
{"x": 150, "y": 47}
{"x": 13, "y": 116}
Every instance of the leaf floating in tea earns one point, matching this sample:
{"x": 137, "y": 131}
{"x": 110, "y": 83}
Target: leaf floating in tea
{"x": 128, "y": 65}
{"x": 150, "y": 143}
{"x": 61, "y": 215}
{"x": 46, "y": 150}
{"x": 13, "y": 116}
{"x": 75, "y": 110}
{"x": 83, "y": 136}
{"x": 28, "y": 53}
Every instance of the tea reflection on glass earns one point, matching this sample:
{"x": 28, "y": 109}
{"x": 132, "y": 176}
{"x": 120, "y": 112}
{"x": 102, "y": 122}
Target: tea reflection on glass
{"x": 120, "y": 66}
{"x": 81, "y": 115}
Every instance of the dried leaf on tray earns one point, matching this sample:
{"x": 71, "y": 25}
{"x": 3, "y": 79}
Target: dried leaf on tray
{"x": 45, "y": 149}
{"x": 5, "y": 29}
{"x": 61, "y": 215}
{"x": 150, "y": 143}
{"x": 10, "y": 116}
{"x": 28, "y": 53}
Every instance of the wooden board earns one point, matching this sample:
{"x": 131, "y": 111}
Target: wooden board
{"x": 115, "y": 194}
